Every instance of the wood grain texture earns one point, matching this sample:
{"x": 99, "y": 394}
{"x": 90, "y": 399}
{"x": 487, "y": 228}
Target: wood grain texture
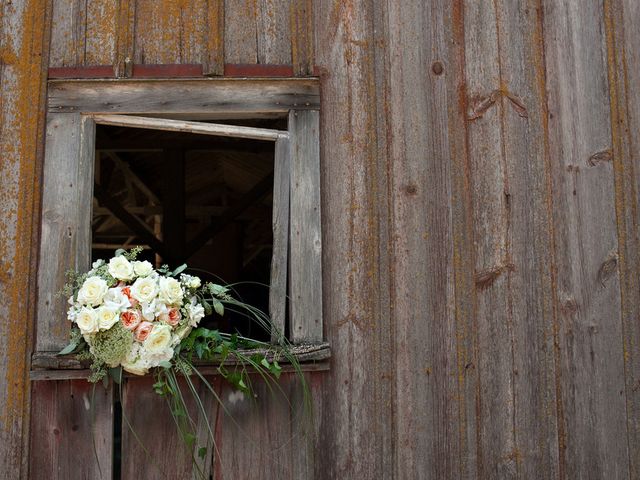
{"x": 423, "y": 293}
{"x": 24, "y": 45}
{"x": 280, "y": 228}
{"x": 240, "y": 34}
{"x": 219, "y": 97}
{"x": 305, "y": 241}
{"x": 510, "y": 180}
{"x": 623, "y": 47}
{"x": 83, "y": 32}
{"x": 274, "y": 31}
{"x": 71, "y": 419}
{"x": 591, "y": 363}
{"x": 66, "y": 216}
{"x": 148, "y": 415}
{"x": 165, "y": 124}
{"x": 356, "y": 409}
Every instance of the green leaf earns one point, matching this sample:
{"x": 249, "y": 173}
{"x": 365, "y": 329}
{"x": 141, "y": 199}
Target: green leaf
{"x": 120, "y": 251}
{"x": 68, "y": 349}
{"x": 105, "y": 381}
{"x": 165, "y": 364}
{"x": 275, "y": 369}
{"x": 219, "y": 308}
{"x": 116, "y": 374}
{"x": 189, "y": 439}
{"x": 265, "y": 363}
{"x": 178, "y": 270}
{"x": 202, "y": 451}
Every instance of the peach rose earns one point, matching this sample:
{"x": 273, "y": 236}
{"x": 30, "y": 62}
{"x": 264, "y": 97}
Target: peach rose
{"x": 172, "y": 317}
{"x": 142, "y": 331}
{"x": 126, "y": 291}
{"x": 130, "y": 319}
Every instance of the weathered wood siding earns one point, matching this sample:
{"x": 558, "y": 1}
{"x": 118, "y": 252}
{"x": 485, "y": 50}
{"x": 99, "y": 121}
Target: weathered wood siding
{"x": 480, "y": 189}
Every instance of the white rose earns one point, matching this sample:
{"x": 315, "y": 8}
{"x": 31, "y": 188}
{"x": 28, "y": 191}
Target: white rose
{"x": 116, "y": 300}
{"x": 142, "y": 269}
{"x": 191, "y": 281}
{"x": 92, "y": 291}
{"x": 170, "y": 291}
{"x": 144, "y": 289}
{"x": 120, "y": 268}
{"x": 158, "y": 340}
{"x": 107, "y": 317}
{"x": 195, "y": 311}
{"x": 149, "y": 310}
{"x": 87, "y": 320}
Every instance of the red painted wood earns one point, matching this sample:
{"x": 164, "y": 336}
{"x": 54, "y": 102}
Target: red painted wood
{"x": 99, "y": 71}
{"x": 256, "y": 70}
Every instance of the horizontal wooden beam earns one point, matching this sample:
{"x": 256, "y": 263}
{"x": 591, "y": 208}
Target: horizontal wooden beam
{"x": 201, "y": 128}
{"x": 216, "y": 97}
{"x": 50, "y": 365}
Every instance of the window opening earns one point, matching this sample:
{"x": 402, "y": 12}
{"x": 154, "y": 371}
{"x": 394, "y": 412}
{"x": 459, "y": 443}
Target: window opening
{"x": 189, "y": 198}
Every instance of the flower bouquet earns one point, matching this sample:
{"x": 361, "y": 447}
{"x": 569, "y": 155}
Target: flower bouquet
{"x": 129, "y": 316}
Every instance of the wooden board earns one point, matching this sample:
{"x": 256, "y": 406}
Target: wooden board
{"x": 305, "y": 244}
{"x": 24, "y": 39}
{"x": 66, "y": 217}
{"x": 591, "y": 364}
{"x": 623, "y": 43}
{"x": 280, "y": 226}
{"x": 273, "y": 18}
{"x": 205, "y": 95}
{"x": 357, "y": 407}
{"x": 67, "y": 427}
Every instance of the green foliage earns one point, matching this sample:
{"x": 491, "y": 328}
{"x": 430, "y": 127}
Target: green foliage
{"x": 112, "y": 346}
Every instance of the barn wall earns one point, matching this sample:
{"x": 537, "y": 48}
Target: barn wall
{"x": 480, "y": 228}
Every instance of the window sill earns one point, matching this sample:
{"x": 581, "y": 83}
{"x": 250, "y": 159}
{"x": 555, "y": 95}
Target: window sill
{"x": 51, "y": 366}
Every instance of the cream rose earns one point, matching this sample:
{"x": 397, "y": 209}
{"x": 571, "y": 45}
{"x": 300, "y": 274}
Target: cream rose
{"x": 159, "y": 339}
{"x": 144, "y": 289}
{"x": 170, "y": 291}
{"x": 107, "y": 317}
{"x": 87, "y": 320}
{"x": 120, "y": 268}
{"x": 92, "y": 291}
{"x": 116, "y": 300}
{"x": 142, "y": 269}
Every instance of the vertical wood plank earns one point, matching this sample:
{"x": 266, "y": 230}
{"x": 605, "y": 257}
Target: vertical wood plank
{"x": 593, "y": 438}
{"x": 493, "y": 250}
{"x": 274, "y": 31}
{"x": 240, "y": 31}
{"x": 66, "y": 217}
{"x": 302, "y": 39}
{"x": 100, "y": 32}
{"x": 24, "y": 45}
{"x": 70, "y": 418}
{"x": 213, "y": 62}
{"x": 149, "y": 417}
{"x": 305, "y": 264}
{"x": 360, "y": 321}
{"x": 427, "y": 375}
{"x": 125, "y": 34}
{"x": 280, "y": 226}
{"x": 623, "y": 45}
{"x": 528, "y": 190}
{"x": 68, "y": 34}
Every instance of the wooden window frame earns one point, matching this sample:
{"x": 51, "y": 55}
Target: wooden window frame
{"x": 75, "y": 107}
